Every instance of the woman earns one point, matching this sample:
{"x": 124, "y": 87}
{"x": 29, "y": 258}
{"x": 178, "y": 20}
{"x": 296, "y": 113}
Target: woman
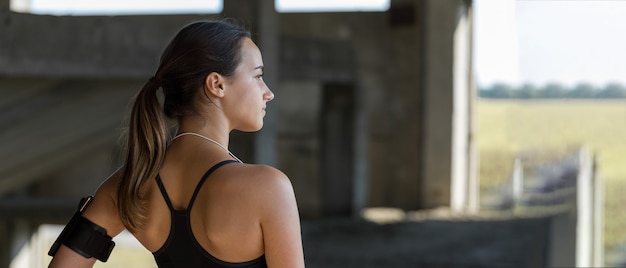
{"x": 189, "y": 200}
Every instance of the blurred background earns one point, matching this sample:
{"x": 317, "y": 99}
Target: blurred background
{"x": 416, "y": 133}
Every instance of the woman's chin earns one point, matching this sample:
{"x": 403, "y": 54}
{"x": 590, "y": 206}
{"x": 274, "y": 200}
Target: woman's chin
{"x": 251, "y": 128}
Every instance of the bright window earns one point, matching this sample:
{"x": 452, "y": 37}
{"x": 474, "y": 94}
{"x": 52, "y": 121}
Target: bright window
{"x": 331, "y": 5}
{"x": 116, "y": 7}
{"x": 134, "y": 7}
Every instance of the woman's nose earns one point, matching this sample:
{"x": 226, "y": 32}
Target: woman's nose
{"x": 269, "y": 95}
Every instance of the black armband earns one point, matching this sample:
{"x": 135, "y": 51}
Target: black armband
{"x": 84, "y": 237}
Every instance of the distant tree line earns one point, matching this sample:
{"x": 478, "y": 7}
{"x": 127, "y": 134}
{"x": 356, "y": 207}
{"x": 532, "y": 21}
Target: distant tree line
{"x": 553, "y": 91}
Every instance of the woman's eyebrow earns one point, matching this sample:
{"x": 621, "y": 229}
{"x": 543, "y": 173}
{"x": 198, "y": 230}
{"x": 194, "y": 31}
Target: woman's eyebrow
{"x": 259, "y": 67}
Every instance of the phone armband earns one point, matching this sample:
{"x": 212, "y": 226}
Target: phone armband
{"x": 84, "y": 237}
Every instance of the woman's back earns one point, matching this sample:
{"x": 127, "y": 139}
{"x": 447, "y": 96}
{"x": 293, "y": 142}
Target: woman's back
{"x": 211, "y": 78}
{"x": 223, "y": 217}
{"x": 242, "y": 212}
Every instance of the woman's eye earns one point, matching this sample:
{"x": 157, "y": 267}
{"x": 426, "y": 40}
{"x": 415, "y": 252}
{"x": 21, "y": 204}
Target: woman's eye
{"x": 260, "y": 76}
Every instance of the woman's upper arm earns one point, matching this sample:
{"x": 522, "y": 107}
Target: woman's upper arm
{"x": 102, "y": 211}
{"x": 280, "y": 223}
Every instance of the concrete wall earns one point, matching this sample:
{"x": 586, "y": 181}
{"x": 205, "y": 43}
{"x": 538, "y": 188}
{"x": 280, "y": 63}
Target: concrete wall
{"x": 299, "y": 142}
{"x": 407, "y": 86}
{"x": 411, "y": 67}
{"x": 386, "y": 73}
{"x": 54, "y": 126}
{"x": 410, "y": 95}
{"x": 84, "y": 46}
{"x": 399, "y": 62}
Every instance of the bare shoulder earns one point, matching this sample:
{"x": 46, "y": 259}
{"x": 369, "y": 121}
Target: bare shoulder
{"x": 264, "y": 185}
{"x": 265, "y": 173}
{"x": 262, "y": 177}
{"x": 103, "y": 209}
{"x": 275, "y": 203}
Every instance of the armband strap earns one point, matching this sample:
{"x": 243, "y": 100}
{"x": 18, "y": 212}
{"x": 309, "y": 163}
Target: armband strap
{"x": 84, "y": 237}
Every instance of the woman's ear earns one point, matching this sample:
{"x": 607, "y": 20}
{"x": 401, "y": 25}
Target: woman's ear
{"x": 214, "y": 85}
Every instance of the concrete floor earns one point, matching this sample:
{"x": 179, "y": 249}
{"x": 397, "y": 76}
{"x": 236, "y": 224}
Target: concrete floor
{"x": 512, "y": 242}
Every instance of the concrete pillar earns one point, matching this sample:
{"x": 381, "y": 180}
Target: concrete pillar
{"x": 447, "y": 70}
{"x": 265, "y": 140}
{"x": 20, "y": 237}
{"x": 245, "y": 12}
{"x": 473, "y": 195}
{"x": 360, "y": 158}
{"x": 5, "y": 20}
{"x": 261, "y": 19}
{"x": 5, "y": 243}
{"x": 461, "y": 108}
{"x": 14, "y": 234}
{"x": 337, "y": 152}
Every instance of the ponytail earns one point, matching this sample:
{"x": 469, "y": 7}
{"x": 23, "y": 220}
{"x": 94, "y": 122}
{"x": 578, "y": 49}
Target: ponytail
{"x": 147, "y": 141}
{"x": 197, "y": 50}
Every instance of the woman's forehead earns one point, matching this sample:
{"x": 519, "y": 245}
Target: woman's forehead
{"x": 250, "y": 53}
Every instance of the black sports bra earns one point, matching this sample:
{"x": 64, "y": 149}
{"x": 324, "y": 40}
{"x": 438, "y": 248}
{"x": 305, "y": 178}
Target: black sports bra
{"x": 181, "y": 249}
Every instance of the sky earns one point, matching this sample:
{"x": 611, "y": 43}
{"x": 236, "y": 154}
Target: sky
{"x": 561, "y": 41}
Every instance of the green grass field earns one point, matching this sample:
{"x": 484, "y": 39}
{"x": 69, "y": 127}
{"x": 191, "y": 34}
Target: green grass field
{"x": 507, "y": 128}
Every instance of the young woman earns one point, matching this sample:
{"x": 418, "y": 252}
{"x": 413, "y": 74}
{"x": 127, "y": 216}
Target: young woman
{"x": 189, "y": 200}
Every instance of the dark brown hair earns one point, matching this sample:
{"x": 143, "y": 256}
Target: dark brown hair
{"x": 197, "y": 50}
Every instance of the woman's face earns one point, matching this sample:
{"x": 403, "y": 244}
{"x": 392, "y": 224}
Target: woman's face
{"x": 246, "y": 93}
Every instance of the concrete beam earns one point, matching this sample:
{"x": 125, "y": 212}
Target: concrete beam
{"x": 37, "y": 209}
{"x": 21, "y": 176}
{"x": 39, "y": 143}
{"x": 90, "y": 46}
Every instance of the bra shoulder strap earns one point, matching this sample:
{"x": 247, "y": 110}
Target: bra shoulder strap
{"x": 203, "y": 179}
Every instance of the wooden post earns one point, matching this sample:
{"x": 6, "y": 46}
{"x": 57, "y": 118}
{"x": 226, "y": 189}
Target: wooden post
{"x": 584, "y": 208}
{"x": 517, "y": 180}
{"x": 598, "y": 217}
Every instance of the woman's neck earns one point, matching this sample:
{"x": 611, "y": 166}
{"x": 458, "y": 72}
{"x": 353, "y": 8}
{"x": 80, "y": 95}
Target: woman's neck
{"x": 212, "y": 128}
